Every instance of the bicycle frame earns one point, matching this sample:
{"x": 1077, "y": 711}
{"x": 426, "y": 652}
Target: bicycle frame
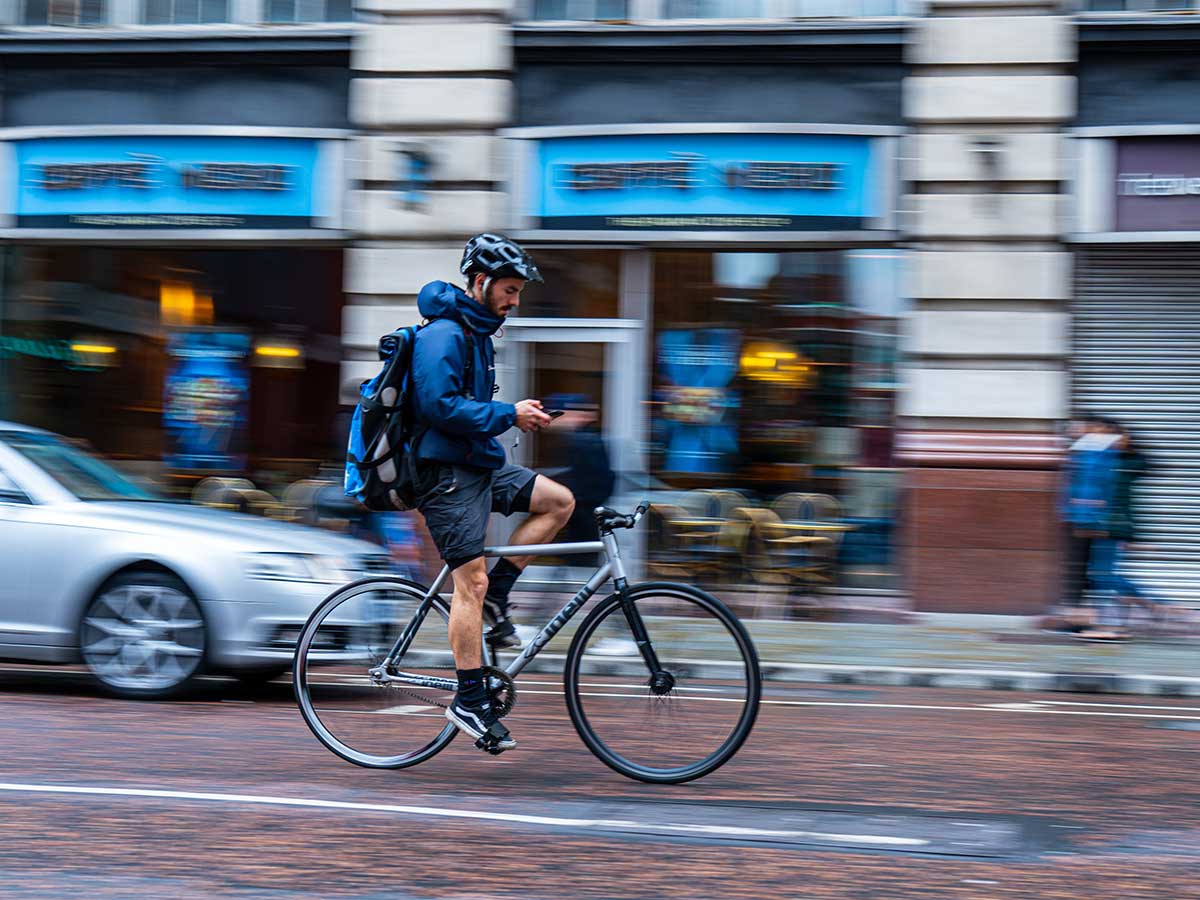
{"x": 612, "y": 568}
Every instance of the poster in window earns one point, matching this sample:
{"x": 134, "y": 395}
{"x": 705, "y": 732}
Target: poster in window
{"x": 206, "y": 401}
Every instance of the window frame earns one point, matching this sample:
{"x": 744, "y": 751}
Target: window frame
{"x": 229, "y": 19}
{"x": 642, "y": 11}
{"x": 105, "y": 16}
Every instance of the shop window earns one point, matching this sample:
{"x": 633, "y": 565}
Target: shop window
{"x": 64, "y": 12}
{"x": 185, "y": 12}
{"x": 773, "y": 414}
{"x": 1138, "y": 5}
{"x": 190, "y": 361}
{"x": 283, "y": 11}
{"x": 714, "y": 9}
{"x": 579, "y": 284}
{"x": 578, "y": 10}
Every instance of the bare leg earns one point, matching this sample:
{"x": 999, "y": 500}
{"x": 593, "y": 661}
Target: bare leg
{"x": 466, "y": 614}
{"x": 549, "y": 509}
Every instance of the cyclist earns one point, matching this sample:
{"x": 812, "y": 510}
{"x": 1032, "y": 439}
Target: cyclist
{"x": 463, "y": 475}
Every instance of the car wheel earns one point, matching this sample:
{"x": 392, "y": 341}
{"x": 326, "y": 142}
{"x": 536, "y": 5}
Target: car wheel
{"x": 143, "y": 635}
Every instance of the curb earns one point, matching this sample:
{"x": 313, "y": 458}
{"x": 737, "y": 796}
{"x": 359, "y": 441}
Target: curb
{"x": 986, "y": 679}
{"x": 889, "y": 676}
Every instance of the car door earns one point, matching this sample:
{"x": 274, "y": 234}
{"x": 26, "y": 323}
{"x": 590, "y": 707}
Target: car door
{"x": 15, "y": 507}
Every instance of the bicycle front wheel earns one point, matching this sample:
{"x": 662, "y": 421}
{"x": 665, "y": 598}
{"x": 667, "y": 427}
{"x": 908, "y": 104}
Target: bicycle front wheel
{"x": 387, "y": 726}
{"x": 680, "y": 722}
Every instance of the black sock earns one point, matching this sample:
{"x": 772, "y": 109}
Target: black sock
{"x": 501, "y": 580}
{"x": 470, "y": 686}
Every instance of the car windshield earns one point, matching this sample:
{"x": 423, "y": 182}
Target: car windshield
{"x": 85, "y": 476}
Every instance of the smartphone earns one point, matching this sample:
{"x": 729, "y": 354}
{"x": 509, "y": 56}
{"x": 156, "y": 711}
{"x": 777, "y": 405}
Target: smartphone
{"x": 555, "y": 413}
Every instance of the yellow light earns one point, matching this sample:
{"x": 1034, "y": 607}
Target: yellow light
{"x": 93, "y": 348}
{"x": 288, "y": 352}
{"x": 757, "y": 362}
{"x": 776, "y": 354}
{"x": 177, "y": 303}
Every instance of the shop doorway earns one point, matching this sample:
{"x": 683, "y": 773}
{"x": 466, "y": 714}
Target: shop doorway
{"x": 594, "y": 369}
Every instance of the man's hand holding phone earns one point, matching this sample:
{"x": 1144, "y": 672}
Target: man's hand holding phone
{"x": 530, "y": 416}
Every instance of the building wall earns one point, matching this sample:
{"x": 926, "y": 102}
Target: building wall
{"x": 431, "y": 81}
{"x": 986, "y": 99}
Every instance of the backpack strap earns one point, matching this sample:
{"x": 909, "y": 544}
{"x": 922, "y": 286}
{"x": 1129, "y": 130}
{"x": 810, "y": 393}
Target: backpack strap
{"x": 469, "y": 372}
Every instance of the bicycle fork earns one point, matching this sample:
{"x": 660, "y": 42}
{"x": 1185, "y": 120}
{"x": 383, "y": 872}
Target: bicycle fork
{"x": 661, "y": 681}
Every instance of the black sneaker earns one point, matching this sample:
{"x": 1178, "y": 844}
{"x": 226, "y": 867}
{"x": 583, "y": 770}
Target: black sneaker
{"x": 481, "y": 723}
{"x": 502, "y": 634}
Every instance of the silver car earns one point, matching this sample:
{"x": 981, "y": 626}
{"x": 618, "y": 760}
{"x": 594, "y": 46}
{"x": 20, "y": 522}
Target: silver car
{"x": 146, "y": 592}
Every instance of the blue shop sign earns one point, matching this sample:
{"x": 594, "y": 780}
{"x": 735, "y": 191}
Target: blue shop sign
{"x": 705, "y": 182}
{"x": 167, "y": 182}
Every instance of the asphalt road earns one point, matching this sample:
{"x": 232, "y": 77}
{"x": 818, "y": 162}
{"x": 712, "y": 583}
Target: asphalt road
{"x": 877, "y": 794}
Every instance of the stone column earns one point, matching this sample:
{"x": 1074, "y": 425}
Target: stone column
{"x": 990, "y": 86}
{"x": 431, "y": 85}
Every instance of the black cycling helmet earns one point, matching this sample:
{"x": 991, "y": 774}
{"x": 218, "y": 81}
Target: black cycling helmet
{"x": 497, "y": 257}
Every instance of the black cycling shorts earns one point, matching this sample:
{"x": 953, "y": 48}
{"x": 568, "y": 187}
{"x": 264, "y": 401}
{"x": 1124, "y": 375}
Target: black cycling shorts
{"x": 460, "y": 499}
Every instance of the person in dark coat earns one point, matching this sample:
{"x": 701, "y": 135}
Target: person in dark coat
{"x": 587, "y": 469}
{"x": 1130, "y": 465}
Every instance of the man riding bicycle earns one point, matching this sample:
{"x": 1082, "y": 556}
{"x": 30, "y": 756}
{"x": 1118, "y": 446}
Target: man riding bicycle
{"x": 463, "y": 475}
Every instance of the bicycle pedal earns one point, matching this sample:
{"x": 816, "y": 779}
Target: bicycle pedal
{"x": 489, "y": 745}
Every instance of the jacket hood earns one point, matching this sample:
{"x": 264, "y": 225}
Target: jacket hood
{"x": 439, "y": 300}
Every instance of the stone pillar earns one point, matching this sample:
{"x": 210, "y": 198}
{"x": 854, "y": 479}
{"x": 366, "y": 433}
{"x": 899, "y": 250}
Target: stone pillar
{"x": 431, "y": 85}
{"x": 990, "y": 86}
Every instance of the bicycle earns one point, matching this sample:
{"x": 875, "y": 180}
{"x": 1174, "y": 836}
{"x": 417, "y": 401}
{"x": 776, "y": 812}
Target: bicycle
{"x": 674, "y": 646}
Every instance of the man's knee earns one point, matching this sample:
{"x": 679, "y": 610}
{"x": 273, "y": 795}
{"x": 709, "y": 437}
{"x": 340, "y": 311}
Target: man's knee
{"x": 471, "y": 580}
{"x": 553, "y": 498}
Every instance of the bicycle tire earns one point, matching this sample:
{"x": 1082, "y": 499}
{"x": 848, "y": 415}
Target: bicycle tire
{"x": 315, "y": 684}
{"x": 590, "y": 701}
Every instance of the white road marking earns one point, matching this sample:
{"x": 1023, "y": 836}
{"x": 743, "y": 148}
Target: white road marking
{"x": 879, "y": 840}
{"x": 401, "y": 710}
{"x": 988, "y": 707}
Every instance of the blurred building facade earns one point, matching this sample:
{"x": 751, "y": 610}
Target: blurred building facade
{"x": 866, "y": 250}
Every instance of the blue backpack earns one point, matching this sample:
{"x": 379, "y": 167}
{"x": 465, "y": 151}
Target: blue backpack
{"x": 381, "y": 471}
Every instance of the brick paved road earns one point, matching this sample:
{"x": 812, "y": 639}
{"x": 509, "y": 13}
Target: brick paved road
{"x": 1083, "y": 801}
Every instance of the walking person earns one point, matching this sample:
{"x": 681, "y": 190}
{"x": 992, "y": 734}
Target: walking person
{"x": 1087, "y": 488}
{"x": 1108, "y": 554}
{"x": 463, "y": 474}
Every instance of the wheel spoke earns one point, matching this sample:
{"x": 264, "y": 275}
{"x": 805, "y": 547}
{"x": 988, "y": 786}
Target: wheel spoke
{"x": 134, "y": 637}
{"x": 352, "y": 632}
{"x": 681, "y": 722}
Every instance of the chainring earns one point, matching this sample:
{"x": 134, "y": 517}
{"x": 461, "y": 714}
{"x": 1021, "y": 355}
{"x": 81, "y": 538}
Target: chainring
{"x": 503, "y": 694}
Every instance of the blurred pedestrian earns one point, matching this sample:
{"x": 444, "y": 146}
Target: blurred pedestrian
{"x": 1108, "y": 553}
{"x": 1087, "y": 489}
{"x": 582, "y": 456}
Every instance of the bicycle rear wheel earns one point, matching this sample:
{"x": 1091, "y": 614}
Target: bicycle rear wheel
{"x": 683, "y": 722}
{"x": 379, "y": 726}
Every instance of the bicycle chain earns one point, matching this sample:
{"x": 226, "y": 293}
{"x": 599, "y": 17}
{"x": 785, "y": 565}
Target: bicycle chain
{"x": 503, "y": 706}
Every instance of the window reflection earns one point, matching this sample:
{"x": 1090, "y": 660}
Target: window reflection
{"x": 578, "y": 284}
{"x": 219, "y": 360}
{"x": 773, "y": 404}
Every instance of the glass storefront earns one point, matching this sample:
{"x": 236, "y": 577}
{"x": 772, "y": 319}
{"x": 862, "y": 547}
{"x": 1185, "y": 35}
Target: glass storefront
{"x": 185, "y": 361}
{"x": 772, "y": 415}
{"x": 766, "y": 392}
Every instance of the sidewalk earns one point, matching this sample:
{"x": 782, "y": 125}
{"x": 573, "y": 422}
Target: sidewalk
{"x": 950, "y": 650}
{"x": 973, "y": 651}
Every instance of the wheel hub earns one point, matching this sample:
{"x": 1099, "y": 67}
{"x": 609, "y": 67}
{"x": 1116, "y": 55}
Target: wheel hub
{"x": 661, "y": 683}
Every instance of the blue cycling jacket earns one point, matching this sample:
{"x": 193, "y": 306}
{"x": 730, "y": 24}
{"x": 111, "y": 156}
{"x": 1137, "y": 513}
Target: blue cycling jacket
{"x": 462, "y": 429}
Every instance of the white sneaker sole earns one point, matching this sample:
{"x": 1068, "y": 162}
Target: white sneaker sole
{"x": 468, "y": 727}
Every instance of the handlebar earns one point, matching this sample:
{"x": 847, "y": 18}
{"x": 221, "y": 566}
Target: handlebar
{"x": 608, "y": 519}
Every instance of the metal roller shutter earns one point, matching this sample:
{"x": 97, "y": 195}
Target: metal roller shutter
{"x": 1136, "y": 357}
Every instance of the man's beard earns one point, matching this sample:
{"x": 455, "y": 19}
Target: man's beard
{"x": 489, "y": 300}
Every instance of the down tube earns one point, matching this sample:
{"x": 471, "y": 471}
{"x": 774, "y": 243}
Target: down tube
{"x": 554, "y": 626}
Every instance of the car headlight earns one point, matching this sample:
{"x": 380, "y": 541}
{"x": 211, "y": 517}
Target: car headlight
{"x": 297, "y": 567}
